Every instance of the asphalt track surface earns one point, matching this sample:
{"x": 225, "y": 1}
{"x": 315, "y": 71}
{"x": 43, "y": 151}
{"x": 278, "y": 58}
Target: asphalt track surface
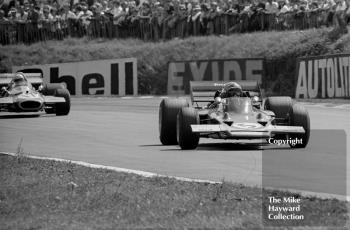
{"x": 124, "y": 133}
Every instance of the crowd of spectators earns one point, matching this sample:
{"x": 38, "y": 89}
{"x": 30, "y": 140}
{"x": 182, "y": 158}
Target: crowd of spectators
{"x": 164, "y": 14}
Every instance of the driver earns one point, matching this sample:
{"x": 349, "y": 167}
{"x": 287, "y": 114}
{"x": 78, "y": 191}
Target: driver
{"x": 231, "y": 89}
{"x": 18, "y": 80}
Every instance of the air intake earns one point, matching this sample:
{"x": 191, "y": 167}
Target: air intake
{"x": 30, "y": 105}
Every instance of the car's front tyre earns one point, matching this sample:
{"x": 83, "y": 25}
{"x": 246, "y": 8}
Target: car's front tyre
{"x": 168, "y": 110}
{"x": 300, "y": 117}
{"x": 62, "y": 108}
{"x": 185, "y": 137}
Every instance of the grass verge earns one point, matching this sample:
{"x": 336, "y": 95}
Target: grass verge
{"x": 43, "y": 194}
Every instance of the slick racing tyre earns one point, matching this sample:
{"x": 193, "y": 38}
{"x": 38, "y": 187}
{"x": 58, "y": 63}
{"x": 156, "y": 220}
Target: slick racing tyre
{"x": 300, "y": 117}
{"x": 281, "y": 106}
{"x": 50, "y": 89}
{"x": 62, "y": 108}
{"x": 168, "y": 110}
{"x": 185, "y": 137}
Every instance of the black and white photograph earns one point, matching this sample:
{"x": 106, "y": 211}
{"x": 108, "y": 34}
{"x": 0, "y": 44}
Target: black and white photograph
{"x": 174, "y": 114}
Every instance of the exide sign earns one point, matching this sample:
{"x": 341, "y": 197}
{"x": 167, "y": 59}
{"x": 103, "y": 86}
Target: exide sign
{"x": 104, "y": 77}
{"x": 180, "y": 73}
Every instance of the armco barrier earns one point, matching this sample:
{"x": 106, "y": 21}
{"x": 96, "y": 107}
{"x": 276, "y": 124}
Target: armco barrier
{"x": 323, "y": 77}
{"x": 103, "y": 77}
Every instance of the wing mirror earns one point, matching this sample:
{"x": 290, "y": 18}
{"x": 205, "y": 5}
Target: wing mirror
{"x": 256, "y": 101}
{"x": 40, "y": 88}
{"x": 217, "y": 100}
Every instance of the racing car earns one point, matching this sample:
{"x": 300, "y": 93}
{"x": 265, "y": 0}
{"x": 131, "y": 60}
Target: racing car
{"x": 243, "y": 117}
{"x": 26, "y": 93}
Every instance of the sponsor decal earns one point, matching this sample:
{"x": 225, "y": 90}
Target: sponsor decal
{"x": 103, "y": 77}
{"x": 323, "y": 77}
{"x": 219, "y": 84}
{"x": 246, "y": 125}
{"x": 180, "y": 73}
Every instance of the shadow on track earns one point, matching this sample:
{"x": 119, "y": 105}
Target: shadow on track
{"x": 152, "y": 145}
{"x": 8, "y": 115}
{"x": 12, "y": 116}
{"x": 223, "y": 147}
{"x": 219, "y": 146}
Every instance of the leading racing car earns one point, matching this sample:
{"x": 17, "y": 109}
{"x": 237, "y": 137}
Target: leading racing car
{"x": 19, "y": 95}
{"x": 233, "y": 110}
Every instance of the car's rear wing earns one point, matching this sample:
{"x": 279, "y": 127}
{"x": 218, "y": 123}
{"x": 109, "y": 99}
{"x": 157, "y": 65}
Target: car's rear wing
{"x": 204, "y": 91}
{"x": 34, "y": 78}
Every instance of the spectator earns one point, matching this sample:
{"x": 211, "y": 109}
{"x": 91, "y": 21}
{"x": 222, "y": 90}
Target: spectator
{"x": 145, "y": 11}
{"x": 271, "y": 7}
{"x": 339, "y": 17}
{"x": 66, "y": 13}
{"x": 328, "y": 4}
{"x": 287, "y": 7}
{"x": 34, "y": 14}
{"x": 2, "y": 16}
{"x": 85, "y": 15}
{"x": 117, "y": 10}
{"x": 46, "y": 15}
{"x": 22, "y": 14}
{"x": 196, "y": 12}
{"x": 4, "y": 7}
{"x": 12, "y": 15}
{"x": 55, "y": 15}
{"x": 233, "y": 7}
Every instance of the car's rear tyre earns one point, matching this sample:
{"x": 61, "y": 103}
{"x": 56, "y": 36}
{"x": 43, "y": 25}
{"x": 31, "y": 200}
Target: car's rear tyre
{"x": 185, "y": 137}
{"x": 300, "y": 117}
{"x": 62, "y": 108}
{"x": 168, "y": 110}
{"x": 50, "y": 89}
{"x": 281, "y": 106}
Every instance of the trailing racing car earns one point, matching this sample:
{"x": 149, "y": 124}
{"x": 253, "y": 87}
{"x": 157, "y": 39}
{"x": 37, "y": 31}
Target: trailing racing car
{"x": 237, "y": 111}
{"x": 18, "y": 94}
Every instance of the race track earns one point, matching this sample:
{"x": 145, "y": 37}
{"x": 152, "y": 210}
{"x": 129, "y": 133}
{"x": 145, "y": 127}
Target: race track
{"x": 124, "y": 133}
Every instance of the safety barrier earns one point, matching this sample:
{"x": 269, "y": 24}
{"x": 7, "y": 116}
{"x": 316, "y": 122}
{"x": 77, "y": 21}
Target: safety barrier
{"x": 154, "y": 29}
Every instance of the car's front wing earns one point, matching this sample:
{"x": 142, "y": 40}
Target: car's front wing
{"x": 249, "y": 132}
{"x": 53, "y": 99}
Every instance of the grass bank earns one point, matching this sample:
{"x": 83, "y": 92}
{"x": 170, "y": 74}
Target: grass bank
{"x": 279, "y": 48}
{"x": 42, "y": 194}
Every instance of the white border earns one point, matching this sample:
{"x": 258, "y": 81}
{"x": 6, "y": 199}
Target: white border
{"x": 116, "y": 169}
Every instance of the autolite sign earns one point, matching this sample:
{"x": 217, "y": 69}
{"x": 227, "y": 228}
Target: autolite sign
{"x": 323, "y": 77}
{"x": 180, "y": 73}
{"x": 103, "y": 77}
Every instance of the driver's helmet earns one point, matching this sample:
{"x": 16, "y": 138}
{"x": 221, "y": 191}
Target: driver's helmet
{"x": 19, "y": 80}
{"x": 232, "y": 89}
